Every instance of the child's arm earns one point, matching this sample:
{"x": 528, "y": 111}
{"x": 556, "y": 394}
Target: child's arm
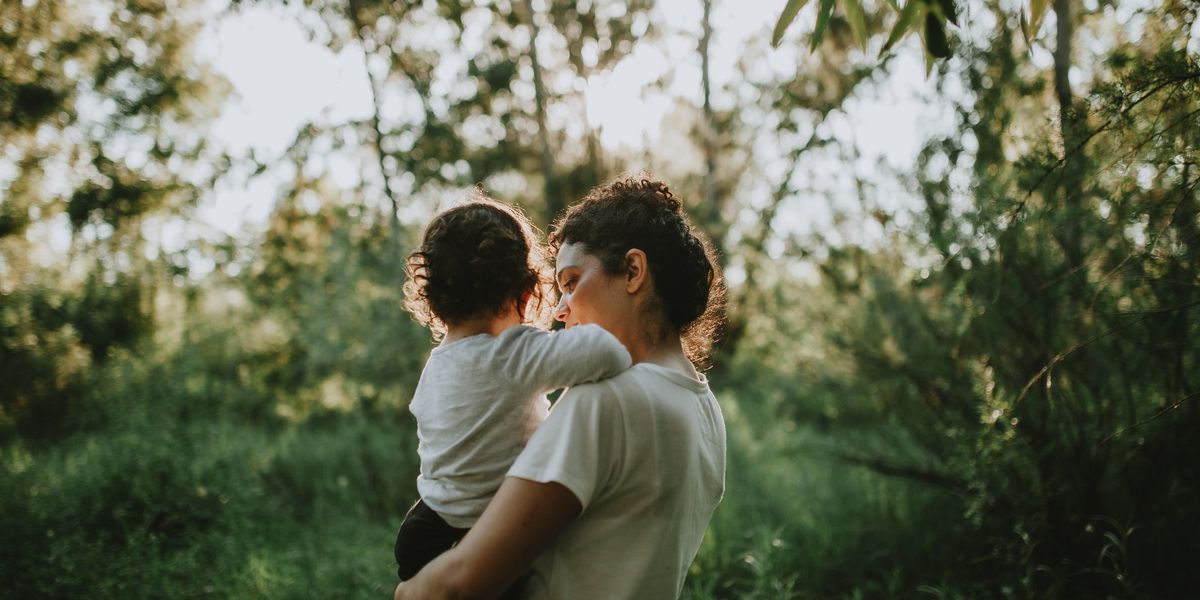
{"x": 554, "y": 359}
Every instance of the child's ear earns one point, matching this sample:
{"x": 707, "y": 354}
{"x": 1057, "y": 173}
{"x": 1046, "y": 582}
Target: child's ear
{"x": 637, "y": 271}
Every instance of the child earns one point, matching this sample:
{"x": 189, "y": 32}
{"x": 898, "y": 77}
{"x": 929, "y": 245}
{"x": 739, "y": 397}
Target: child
{"x": 476, "y": 281}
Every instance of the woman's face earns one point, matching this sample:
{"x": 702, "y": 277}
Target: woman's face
{"x": 589, "y": 294}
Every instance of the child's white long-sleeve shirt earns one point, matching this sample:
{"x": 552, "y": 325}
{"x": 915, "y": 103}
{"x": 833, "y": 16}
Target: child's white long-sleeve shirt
{"x": 480, "y": 398}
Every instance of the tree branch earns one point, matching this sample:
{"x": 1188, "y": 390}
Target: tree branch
{"x": 1154, "y": 417}
{"x": 1092, "y": 135}
{"x": 911, "y": 473}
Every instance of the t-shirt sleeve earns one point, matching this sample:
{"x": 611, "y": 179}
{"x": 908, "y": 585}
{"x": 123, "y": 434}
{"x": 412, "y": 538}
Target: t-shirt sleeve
{"x": 579, "y": 446}
{"x": 549, "y": 360}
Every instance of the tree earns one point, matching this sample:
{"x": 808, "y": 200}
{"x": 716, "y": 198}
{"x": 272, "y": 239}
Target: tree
{"x": 100, "y": 110}
{"x": 486, "y": 115}
{"x": 1036, "y": 358}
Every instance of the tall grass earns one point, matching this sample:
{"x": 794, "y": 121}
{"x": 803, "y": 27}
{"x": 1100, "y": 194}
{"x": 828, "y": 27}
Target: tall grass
{"x": 176, "y": 479}
{"x": 180, "y": 494}
{"x": 794, "y": 523}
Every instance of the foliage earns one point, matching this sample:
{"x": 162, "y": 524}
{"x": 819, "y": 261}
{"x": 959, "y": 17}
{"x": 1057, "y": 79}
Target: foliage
{"x": 992, "y": 395}
{"x": 186, "y": 489}
{"x": 97, "y": 108}
{"x": 484, "y": 118}
{"x": 928, "y": 15}
{"x": 1034, "y": 364}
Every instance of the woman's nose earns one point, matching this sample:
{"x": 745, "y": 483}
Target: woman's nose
{"x": 561, "y": 310}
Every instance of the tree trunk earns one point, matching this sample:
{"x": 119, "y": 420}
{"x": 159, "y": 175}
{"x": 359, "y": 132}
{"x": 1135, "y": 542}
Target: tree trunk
{"x": 1069, "y": 127}
{"x": 706, "y": 125}
{"x": 553, "y": 202}
{"x": 1062, "y": 66}
{"x": 595, "y": 157}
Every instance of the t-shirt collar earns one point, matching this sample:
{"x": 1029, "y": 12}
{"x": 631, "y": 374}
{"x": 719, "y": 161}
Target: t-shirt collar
{"x": 677, "y": 377}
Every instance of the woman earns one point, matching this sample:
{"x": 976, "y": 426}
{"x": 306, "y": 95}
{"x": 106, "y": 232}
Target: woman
{"x": 613, "y": 493}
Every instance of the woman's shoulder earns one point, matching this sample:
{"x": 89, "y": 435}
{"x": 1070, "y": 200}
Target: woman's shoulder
{"x": 637, "y": 386}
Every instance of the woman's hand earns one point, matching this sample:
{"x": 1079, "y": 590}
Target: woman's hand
{"x": 521, "y": 521}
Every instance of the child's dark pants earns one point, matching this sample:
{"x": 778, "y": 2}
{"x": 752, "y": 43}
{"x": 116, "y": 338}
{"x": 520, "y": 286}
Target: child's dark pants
{"x": 423, "y": 536}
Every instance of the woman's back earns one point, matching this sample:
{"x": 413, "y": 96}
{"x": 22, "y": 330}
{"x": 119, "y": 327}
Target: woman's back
{"x": 646, "y": 459}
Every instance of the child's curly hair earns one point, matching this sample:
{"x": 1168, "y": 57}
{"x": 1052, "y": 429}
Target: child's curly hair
{"x": 475, "y": 260}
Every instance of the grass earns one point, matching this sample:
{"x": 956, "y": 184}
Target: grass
{"x": 180, "y": 491}
{"x": 794, "y": 524}
{"x": 207, "y": 510}
{"x": 169, "y": 489}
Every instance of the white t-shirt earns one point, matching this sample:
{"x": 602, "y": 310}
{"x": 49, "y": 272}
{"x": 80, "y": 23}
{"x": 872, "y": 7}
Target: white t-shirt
{"x": 645, "y": 454}
{"x": 480, "y": 398}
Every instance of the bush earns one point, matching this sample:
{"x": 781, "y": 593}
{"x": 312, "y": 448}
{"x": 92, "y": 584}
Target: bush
{"x": 172, "y": 492}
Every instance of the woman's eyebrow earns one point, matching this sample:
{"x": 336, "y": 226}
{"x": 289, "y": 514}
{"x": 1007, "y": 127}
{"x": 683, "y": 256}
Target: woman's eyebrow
{"x": 562, "y": 271}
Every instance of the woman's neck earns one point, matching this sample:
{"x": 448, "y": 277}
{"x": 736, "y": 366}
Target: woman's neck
{"x": 667, "y": 353}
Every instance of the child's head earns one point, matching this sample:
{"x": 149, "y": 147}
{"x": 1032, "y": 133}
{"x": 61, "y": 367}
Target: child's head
{"x": 479, "y": 259}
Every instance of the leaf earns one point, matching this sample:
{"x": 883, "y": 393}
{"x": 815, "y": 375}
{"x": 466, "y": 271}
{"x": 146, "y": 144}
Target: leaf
{"x": 949, "y": 11}
{"x": 789, "y": 14}
{"x": 1037, "y": 10}
{"x": 908, "y": 16}
{"x": 1025, "y": 28}
{"x": 858, "y": 24}
{"x": 935, "y": 35}
{"x": 823, "y": 14}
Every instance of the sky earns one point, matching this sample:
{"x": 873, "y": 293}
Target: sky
{"x": 281, "y": 80}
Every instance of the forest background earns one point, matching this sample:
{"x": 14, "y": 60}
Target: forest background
{"x": 969, "y": 374}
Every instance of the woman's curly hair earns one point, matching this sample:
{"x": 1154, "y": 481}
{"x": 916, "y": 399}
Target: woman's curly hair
{"x": 476, "y": 260}
{"x": 643, "y": 213}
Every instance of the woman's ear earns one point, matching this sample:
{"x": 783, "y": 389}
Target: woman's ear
{"x": 637, "y": 271}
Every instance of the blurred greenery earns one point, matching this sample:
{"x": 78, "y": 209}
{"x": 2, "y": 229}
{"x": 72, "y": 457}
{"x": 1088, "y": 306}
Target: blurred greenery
{"x": 977, "y": 379}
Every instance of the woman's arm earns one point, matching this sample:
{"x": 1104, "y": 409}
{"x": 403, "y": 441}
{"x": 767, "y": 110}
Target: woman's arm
{"x": 522, "y": 520}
